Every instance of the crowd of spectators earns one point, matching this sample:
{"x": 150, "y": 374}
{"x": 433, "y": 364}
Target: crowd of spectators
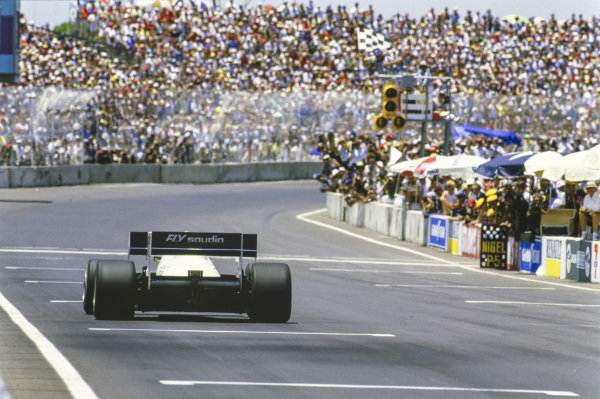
{"x": 204, "y": 82}
{"x": 357, "y": 167}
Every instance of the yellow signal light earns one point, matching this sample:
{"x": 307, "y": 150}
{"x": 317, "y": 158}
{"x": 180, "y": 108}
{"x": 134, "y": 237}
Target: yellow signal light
{"x": 390, "y": 99}
{"x": 380, "y": 122}
{"x": 398, "y": 123}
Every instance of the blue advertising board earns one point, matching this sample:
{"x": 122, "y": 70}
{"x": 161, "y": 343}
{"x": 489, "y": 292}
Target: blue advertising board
{"x": 9, "y": 40}
{"x": 438, "y": 232}
{"x": 530, "y": 256}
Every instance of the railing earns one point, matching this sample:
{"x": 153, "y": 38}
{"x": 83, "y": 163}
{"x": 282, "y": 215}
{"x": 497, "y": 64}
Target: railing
{"x": 53, "y": 126}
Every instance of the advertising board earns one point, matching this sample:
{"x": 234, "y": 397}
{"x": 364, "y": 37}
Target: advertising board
{"x": 494, "y": 246}
{"x": 438, "y": 232}
{"x": 469, "y": 240}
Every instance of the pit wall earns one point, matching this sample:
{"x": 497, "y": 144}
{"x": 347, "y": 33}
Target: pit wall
{"x": 551, "y": 256}
{"x": 15, "y": 177}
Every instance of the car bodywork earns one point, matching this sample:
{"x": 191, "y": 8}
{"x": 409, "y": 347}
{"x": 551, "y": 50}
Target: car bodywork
{"x": 186, "y": 280}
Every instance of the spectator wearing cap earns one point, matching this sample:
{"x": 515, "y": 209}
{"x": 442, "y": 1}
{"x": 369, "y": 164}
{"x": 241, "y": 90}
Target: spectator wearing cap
{"x": 373, "y": 167}
{"x": 359, "y": 190}
{"x": 344, "y": 150}
{"x": 390, "y": 185}
{"x": 410, "y": 191}
{"x": 589, "y": 213}
{"x": 547, "y": 192}
{"x": 328, "y": 165}
{"x": 491, "y": 213}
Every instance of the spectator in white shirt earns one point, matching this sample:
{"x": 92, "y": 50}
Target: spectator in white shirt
{"x": 590, "y": 210}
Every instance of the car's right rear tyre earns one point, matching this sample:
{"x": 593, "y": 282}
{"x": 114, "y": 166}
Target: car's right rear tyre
{"x": 114, "y": 290}
{"x": 89, "y": 279}
{"x": 270, "y": 289}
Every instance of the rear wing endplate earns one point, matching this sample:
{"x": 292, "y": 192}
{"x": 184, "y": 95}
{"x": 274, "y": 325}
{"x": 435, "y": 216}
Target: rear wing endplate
{"x": 159, "y": 243}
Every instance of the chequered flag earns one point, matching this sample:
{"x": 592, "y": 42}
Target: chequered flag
{"x": 369, "y": 41}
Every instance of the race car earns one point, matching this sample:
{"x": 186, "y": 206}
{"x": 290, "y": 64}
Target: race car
{"x": 186, "y": 279}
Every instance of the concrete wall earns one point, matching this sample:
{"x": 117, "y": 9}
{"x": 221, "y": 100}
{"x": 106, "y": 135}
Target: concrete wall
{"x": 14, "y": 177}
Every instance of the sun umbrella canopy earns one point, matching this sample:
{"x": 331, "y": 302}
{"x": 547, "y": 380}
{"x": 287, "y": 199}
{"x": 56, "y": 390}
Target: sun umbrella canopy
{"x": 405, "y": 166}
{"x": 509, "y": 165}
{"x": 428, "y": 163}
{"x": 576, "y": 166}
{"x": 539, "y": 162}
{"x": 460, "y": 165}
{"x": 583, "y": 166}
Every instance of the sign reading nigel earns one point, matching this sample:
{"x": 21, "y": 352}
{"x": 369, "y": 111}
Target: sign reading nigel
{"x": 494, "y": 240}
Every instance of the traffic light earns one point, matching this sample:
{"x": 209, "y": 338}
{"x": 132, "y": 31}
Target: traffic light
{"x": 390, "y": 99}
{"x": 380, "y": 122}
{"x": 398, "y": 122}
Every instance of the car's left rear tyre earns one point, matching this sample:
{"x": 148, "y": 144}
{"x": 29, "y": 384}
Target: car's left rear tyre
{"x": 114, "y": 290}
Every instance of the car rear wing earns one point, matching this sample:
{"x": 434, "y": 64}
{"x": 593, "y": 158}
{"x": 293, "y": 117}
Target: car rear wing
{"x": 159, "y": 243}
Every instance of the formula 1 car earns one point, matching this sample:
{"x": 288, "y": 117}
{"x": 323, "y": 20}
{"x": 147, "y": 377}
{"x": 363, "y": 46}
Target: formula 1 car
{"x": 186, "y": 279}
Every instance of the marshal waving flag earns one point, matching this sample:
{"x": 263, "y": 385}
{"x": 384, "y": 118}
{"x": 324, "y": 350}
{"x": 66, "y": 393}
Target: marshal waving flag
{"x": 369, "y": 42}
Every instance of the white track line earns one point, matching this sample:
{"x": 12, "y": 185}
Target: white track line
{"x": 52, "y": 269}
{"x": 51, "y": 282}
{"x": 60, "y": 251}
{"x": 473, "y": 287}
{"x": 66, "y": 301}
{"x": 67, "y": 373}
{"x": 371, "y": 387}
{"x": 570, "y": 305}
{"x": 327, "y": 334}
{"x": 352, "y": 261}
{"x": 332, "y": 269}
{"x": 305, "y": 218}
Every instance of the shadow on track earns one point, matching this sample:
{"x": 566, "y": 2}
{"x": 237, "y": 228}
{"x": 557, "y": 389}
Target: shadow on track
{"x": 26, "y": 201}
{"x": 196, "y": 318}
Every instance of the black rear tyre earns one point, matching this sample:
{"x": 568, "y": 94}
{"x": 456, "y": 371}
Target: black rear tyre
{"x": 89, "y": 279}
{"x": 114, "y": 290}
{"x": 270, "y": 292}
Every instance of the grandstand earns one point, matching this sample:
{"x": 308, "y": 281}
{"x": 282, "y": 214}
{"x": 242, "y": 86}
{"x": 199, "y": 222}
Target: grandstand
{"x": 207, "y": 83}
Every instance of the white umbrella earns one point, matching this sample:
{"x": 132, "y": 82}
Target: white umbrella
{"x": 403, "y": 166}
{"x": 460, "y": 165}
{"x": 538, "y": 163}
{"x": 429, "y": 163}
{"x": 583, "y": 166}
{"x": 576, "y": 166}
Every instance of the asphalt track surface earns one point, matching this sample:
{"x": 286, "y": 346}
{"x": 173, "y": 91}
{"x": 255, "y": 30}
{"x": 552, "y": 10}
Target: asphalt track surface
{"x": 372, "y": 317}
